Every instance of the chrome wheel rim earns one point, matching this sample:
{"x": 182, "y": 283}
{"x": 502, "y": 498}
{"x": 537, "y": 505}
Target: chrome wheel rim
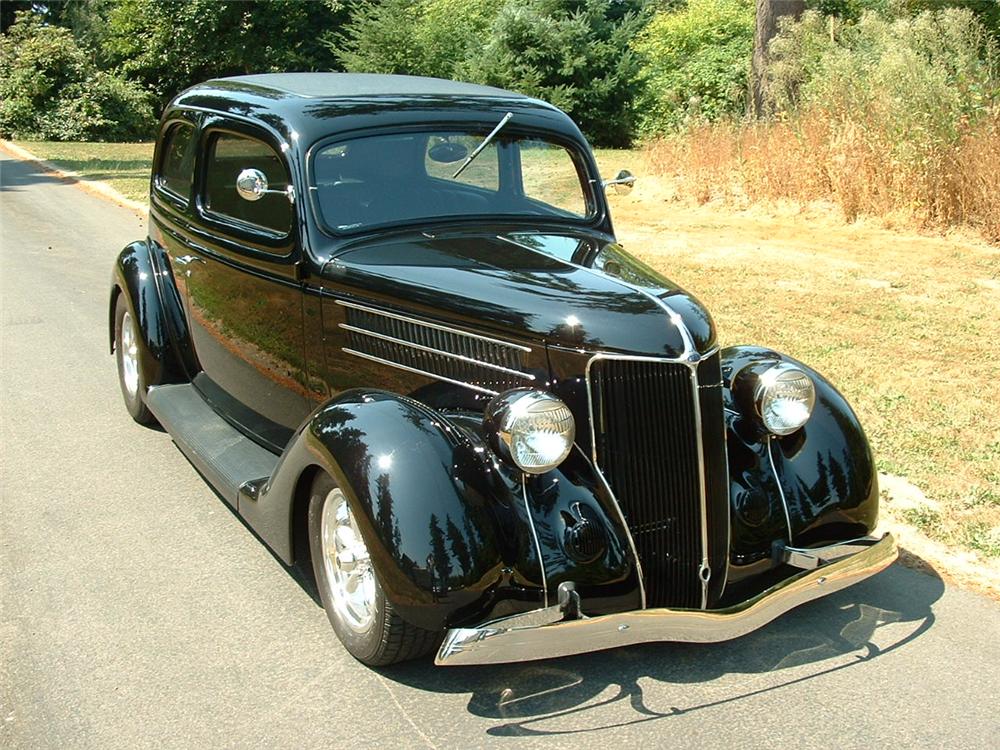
{"x": 347, "y": 564}
{"x": 130, "y": 356}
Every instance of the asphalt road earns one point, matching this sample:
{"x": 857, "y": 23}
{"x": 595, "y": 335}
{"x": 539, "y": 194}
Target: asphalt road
{"x": 137, "y": 611}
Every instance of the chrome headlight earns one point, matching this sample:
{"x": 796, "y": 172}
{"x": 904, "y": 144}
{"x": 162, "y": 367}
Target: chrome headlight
{"x": 784, "y": 397}
{"x": 533, "y": 429}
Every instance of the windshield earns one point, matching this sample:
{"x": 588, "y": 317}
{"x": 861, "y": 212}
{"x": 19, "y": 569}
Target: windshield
{"x": 389, "y": 179}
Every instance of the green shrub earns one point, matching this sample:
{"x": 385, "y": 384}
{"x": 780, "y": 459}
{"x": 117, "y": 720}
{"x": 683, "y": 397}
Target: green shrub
{"x": 915, "y": 84}
{"x": 50, "y": 90}
{"x": 695, "y": 64}
{"x": 573, "y": 53}
{"x": 427, "y": 37}
{"x": 169, "y": 45}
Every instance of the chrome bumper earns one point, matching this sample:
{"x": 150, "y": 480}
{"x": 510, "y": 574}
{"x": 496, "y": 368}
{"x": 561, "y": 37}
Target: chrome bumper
{"x": 544, "y": 634}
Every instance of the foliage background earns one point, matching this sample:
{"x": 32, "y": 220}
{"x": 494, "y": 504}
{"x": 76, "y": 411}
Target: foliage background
{"x": 625, "y": 70}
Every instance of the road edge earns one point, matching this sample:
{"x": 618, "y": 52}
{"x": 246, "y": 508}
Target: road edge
{"x": 94, "y": 187}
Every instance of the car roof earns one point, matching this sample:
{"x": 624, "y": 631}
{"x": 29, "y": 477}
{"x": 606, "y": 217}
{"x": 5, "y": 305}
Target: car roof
{"x": 305, "y": 107}
{"x": 339, "y": 85}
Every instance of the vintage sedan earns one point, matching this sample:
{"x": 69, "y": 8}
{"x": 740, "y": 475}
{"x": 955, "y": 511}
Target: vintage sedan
{"x": 387, "y": 318}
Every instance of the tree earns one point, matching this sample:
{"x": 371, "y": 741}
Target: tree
{"x": 10, "y": 9}
{"x": 695, "y": 63}
{"x": 51, "y": 89}
{"x": 427, "y": 37}
{"x": 440, "y": 562}
{"x": 768, "y": 14}
{"x": 573, "y": 53}
{"x": 172, "y": 44}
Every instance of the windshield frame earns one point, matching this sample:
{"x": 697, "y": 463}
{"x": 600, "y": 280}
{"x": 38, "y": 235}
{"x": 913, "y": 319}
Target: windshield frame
{"x": 583, "y": 161}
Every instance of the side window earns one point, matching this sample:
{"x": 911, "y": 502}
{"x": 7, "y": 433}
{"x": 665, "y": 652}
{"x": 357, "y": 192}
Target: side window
{"x": 549, "y": 176}
{"x": 228, "y": 155}
{"x": 445, "y": 154}
{"x": 176, "y": 172}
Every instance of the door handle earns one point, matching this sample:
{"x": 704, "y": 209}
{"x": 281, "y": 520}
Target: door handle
{"x": 185, "y": 259}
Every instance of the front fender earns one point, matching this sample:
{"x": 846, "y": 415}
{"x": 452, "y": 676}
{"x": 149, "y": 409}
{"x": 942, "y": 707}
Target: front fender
{"x": 824, "y": 475}
{"x": 142, "y": 283}
{"x": 446, "y": 530}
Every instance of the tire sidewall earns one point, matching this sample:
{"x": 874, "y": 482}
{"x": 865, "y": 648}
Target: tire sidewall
{"x": 134, "y": 404}
{"x": 364, "y": 646}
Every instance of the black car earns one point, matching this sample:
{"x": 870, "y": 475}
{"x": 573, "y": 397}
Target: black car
{"x": 386, "y": 317}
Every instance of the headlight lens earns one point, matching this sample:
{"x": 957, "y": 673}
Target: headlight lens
{"x": 532, "y": 428}
{"x": 785, "y": 398}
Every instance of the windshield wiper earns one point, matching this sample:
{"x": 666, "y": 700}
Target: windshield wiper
{"x": 484, "y": 144}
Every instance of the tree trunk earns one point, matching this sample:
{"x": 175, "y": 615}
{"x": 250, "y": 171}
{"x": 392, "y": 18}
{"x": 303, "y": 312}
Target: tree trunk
{"x": 768, "y": 13}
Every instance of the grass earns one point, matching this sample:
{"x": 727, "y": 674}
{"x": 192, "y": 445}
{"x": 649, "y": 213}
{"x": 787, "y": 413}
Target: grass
{"x": 858, "y": 168}
{"x": 905, "y": 324}
{"x": 123, "y": 166}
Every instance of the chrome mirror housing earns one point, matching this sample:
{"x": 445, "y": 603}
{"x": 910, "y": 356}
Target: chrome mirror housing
{"x": 251, "y": 184}
{"x": 622, "y": 184}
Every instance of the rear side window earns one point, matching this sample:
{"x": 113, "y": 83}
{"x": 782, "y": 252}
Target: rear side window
{"x": 176, "y": 172}
{"x": 228, "y": 155}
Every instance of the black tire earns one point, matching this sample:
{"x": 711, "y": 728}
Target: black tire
{"x": 133, "y": 396}
{"x": 389, "y": 639}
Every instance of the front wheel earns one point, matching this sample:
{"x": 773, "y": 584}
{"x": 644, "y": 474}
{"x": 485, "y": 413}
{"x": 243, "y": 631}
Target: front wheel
{"x": 130, "y": 378}
{"x": 361, "y": 615}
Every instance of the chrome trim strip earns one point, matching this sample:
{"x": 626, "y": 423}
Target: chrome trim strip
{"x": 534, "y": 535}
{"x": 418, "y": 372}
{"x": 438, "y": 326}
{"x": 542, "y": 634}
{"x": 618, "y": 507}
{"x": 729, "y": 502}
{"x": 781, "y": 490}
{"x": 705, "y": 571}
{"x": 442, "y": 352}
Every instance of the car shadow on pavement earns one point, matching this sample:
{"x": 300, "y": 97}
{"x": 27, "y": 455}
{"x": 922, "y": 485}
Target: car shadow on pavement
{"x": 18, "y": 174}
{"x": 573, "y": 694}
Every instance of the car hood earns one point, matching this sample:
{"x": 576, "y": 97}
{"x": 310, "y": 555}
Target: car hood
{"x": 561, "y": 290}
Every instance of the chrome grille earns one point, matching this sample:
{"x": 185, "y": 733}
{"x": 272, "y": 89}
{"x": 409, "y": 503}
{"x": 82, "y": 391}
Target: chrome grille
{"x": 479, "y": 362}
{"x": 647, "y": 435}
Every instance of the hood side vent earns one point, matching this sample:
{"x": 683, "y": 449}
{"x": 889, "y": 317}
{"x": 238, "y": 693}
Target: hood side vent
{"x": 478, "y": 362}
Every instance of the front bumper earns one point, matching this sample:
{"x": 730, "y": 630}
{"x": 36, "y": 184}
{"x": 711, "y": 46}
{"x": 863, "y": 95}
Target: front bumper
{"x": 544, "y": 633}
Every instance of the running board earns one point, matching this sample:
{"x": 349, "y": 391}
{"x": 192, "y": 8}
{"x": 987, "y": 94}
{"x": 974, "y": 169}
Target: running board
{"x": 229, "y": 459}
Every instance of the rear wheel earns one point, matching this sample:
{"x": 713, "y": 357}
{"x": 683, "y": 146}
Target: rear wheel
{"x": 130, "y": 378}
{"x": 361, "y": 615}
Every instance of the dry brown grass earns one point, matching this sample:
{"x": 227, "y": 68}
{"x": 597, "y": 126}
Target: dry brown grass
{"x": 859, "y": 167}
{"x": 904, "y": 323}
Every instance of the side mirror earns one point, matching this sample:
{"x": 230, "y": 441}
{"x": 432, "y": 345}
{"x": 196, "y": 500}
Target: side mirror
{"x": 622, "y": 184}
{"x": 251, "y": 184}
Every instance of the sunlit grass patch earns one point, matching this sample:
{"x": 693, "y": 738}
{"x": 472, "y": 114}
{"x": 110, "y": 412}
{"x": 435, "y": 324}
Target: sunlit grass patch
{"x": 124, "y": 166}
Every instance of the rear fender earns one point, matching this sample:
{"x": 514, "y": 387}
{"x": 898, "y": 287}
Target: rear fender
{"x": 153, "y": 302}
